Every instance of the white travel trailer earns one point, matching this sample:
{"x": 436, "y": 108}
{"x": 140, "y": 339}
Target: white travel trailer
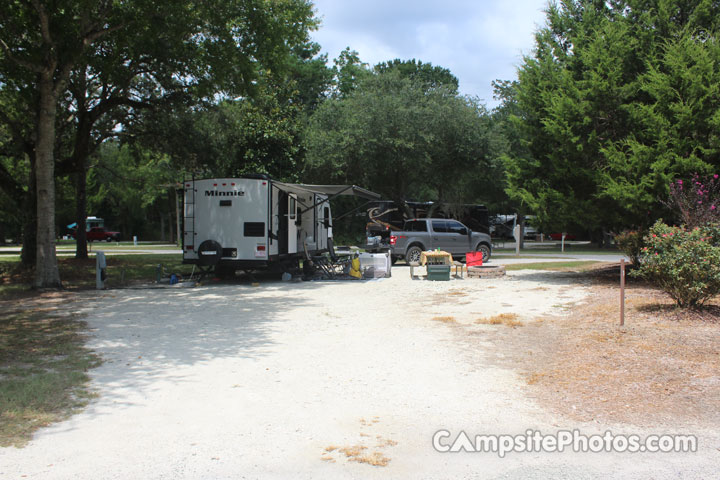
{"x": 255, "y": 222}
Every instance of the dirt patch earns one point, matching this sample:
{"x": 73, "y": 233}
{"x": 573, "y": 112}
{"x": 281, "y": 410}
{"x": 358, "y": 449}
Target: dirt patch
{"x": 364, "y": 451}
{"x": 508, "y": 319}
{"x": 661, "y": 368}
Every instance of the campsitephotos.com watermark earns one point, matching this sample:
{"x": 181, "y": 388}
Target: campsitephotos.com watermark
{"x": 572, "y": 440}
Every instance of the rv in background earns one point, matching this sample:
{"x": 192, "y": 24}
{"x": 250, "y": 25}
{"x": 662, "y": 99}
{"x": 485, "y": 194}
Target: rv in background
{"x": 503, "y": 226}
{"x": 255, "y": 222}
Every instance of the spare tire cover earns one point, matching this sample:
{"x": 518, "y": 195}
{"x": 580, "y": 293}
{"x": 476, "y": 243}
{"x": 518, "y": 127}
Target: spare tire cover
{"x": 209, "y": 252}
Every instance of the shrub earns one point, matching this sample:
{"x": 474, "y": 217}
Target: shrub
{"x": 685, "y": 263}
{"x": 631, "y": 243}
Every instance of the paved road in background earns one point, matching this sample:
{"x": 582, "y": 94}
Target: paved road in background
{"x": 112, "y": 250}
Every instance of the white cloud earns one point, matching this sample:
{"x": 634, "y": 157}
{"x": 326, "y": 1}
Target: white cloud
{"x": 479, "y": 41}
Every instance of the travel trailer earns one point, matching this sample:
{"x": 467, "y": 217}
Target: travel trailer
{"x": 255, "y": 222}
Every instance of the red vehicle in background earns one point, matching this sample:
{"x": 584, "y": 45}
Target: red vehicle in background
{"x": 100, "y": 234}
{"x": 558, "y": 236}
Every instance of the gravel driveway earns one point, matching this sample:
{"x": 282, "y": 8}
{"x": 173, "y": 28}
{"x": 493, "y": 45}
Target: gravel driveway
{"x": 314, "y": 380}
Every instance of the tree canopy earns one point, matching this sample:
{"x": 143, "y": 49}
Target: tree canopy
{"x": 617, "y": 99}
{"x": 399, "y": 137}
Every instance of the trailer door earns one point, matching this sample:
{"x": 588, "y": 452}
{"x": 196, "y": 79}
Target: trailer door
{"x": 292, "y": 227}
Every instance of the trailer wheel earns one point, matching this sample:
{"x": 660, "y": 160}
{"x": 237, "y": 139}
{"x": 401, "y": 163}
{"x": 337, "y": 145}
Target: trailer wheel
{"x": 209, "y": 253}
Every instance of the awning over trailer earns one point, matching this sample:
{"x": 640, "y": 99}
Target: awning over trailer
{"x": 330, "y": 190}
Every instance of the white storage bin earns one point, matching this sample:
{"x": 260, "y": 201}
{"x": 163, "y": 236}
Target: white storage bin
{"x": 375, "y": 265}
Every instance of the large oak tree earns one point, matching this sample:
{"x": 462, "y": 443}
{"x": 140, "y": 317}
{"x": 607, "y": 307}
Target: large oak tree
{"x": 207, "y": 48}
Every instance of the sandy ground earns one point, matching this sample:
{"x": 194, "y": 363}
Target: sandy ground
{"x": 290, "y": 380}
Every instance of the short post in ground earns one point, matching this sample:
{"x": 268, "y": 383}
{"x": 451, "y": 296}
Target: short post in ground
{"x": 622, "y": 292}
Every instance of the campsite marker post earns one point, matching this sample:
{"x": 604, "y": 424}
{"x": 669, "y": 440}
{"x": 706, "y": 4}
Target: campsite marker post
{"x": 622, "y": 292}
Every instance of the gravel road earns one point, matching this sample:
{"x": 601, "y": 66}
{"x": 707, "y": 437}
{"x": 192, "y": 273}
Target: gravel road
{"x": 316, "y": 380}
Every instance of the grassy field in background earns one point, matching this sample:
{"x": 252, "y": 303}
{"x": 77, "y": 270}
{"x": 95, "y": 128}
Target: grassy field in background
{"x": 553, "y": 266}
{"x": 555, "y": 248}
{"x": 80, "y": 273}
{"x": 70, "y": 245}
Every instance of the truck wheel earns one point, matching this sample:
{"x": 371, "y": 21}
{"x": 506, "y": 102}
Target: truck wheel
{"x": 485, "y": 251}
{"x": 413, "y": 254}
{"x": 109, "y": 239}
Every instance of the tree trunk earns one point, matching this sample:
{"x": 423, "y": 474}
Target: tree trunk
{"x": 81, "y": 250}
{"x": 46, "y": 267}
{"x": 162, "y": 227}
{"x": 81, "y": 152}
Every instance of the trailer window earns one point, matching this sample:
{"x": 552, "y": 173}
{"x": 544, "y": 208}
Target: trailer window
{"x": 292, "y": 208}
{"x": 254, "y": 229}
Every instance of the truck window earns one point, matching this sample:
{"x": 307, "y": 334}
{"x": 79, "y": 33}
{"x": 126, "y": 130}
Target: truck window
{"x": 439, "y": 226}
{"x": 416, "y": 226}
{"x": 456, "y": 227}
{"x": 254, "y": 229}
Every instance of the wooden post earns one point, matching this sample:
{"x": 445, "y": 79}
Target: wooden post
{"x": 622, "y": 292}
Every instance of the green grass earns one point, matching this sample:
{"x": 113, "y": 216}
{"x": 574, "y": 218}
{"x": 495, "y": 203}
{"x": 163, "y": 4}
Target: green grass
{"x": 555, "y": 266}
{"x": 69, "y": 245}
{"x": 80, "y": 273}
{"x": 507, "y": 255}
{"x": 555, "y": 248}
{"x": 43, "y": 372}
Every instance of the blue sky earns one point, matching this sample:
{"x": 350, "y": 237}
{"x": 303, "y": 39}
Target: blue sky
{"x": 478, "y": 41}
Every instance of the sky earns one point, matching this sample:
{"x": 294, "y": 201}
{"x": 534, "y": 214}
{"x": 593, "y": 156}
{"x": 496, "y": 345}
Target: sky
{"x": 477, "y": 40}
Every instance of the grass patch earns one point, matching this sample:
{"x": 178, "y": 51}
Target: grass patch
{"x": 80, "y": 273}
{"x": 554, "y": 266}
{"x": 554, "y": 248}
{"x": 508, "y": 319}
{"x": 43, "y": 372}
{"x": 447, "y": 319}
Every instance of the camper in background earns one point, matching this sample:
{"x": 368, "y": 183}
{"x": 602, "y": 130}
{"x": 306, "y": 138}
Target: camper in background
{"x": 254, "y": 222}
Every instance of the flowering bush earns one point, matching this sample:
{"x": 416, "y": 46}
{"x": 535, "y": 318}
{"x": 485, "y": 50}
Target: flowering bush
{"x": 696, "y": 200}
{"x": 631, "y": 243}
{"x": 683, "y": 262}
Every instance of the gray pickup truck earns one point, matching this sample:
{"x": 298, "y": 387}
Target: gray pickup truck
{"x": 421, "y": 234}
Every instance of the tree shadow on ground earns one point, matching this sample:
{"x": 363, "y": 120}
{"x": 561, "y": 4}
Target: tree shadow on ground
{"x": 151, "y": 335}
